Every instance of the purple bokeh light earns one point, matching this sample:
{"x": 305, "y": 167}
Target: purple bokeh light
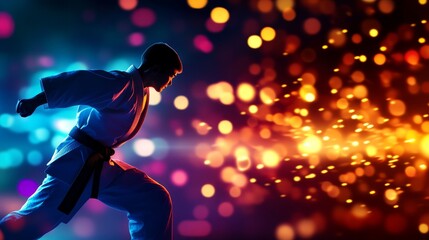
{"x": 26, "y": 187}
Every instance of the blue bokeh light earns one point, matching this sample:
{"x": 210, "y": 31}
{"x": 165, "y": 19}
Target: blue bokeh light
{"x": 34, "y": 157}
{"x": 11, "y": 158}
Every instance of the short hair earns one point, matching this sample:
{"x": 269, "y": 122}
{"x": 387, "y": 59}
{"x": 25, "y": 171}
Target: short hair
{"x": 163, "y": 55}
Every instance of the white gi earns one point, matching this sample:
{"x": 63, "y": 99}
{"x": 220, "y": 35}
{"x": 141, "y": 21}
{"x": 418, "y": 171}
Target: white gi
{"x": 112, "y": 107}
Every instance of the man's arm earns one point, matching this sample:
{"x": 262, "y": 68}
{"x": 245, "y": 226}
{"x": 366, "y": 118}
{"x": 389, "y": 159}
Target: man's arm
{"x": 26, "y": 107}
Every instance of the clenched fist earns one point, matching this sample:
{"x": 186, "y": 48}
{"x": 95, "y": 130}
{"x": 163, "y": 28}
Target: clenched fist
{"x": 25, "y": 107}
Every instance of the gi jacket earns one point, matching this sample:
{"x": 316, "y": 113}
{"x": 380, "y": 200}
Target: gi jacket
{"x": 112, "y": 107}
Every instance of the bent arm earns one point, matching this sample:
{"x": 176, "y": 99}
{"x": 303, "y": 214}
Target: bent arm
{"x": 95, "y": 88}
{"x": 26, "y": 107}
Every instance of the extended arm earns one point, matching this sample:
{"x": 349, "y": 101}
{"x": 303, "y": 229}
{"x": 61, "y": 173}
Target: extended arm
{"x": 26, "y": 107}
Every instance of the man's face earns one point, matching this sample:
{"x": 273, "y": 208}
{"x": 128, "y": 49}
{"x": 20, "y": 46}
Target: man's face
{"x": 162, "y": 79}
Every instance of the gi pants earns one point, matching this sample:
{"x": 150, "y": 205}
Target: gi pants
{"x": 146, "y": 202}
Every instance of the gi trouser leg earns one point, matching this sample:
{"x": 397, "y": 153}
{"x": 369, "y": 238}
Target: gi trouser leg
{"x": 39, "y": 214}
{"x": 147, "y": 203}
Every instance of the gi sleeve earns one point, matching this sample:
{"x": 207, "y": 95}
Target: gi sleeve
{"x": 95, "y": 88}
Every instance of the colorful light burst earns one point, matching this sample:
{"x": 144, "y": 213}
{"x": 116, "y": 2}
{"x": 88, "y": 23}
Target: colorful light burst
{"x": 348, "y": 121}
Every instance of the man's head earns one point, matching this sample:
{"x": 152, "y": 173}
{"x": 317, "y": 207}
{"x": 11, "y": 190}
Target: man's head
{"x": 160, "y": 64}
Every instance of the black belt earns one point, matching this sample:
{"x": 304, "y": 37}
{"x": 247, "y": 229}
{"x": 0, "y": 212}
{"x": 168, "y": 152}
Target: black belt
{"x": 93, "y": 164}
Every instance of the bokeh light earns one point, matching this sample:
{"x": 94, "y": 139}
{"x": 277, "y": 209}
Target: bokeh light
{"x": 128, "y": 4}
{"x": 136, "y": 39}
{"x": 254, "y": 41}
{"x": 26, "y": 187}
{"x": 197, "y": 4}
{"x": 181, "y": 102}
{"x": 179, "y": 177}
{"x": 268, "y": 33}
{"x": 207, "y": 190}
{"x": 219, "y": 15}
{"x": 7, "y": 25}
{"x": 202, "y": 43}
{"x": 144, "y": 147}
{"x": 143, "y": 17}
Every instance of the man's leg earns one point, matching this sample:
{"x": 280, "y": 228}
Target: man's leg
{"x": 146, "y": 202}
{"x": 39, "y": 214}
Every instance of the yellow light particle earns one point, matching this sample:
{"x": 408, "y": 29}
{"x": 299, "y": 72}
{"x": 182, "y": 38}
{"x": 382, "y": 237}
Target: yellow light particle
{"x": 311, "y": 144}
{"x": 391, "y": 194}
{"x": 424, "y": 143}
{"x": 373, "y": 32}
{"x": 362, "y": 58}
{"x": 219, "y": 15}
{"x": 397, "y": 107}
{"x": 253, "y": 109}
{"x": 310, "y": 176}
{"x": 197, "y": 4}
{"x": 225, "y": 127}
{"x": 181, "y": 102}
{"x": 208, "y": 190}
{"x": 245, "y": 92}
{"x": 270, "y": 158}
{"x": 308, "y": 93}
{"x": 267, "y": 95}
{"x": 254, "y": 41}
{"x": 379, "y": 59}
{"x": 423, "y": 228}
{"x": 268, "y": 34}
{"x": 285, "y": 231}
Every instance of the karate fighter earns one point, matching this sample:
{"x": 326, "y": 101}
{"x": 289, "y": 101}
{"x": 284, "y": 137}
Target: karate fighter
{"x": 112, "y": 107}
